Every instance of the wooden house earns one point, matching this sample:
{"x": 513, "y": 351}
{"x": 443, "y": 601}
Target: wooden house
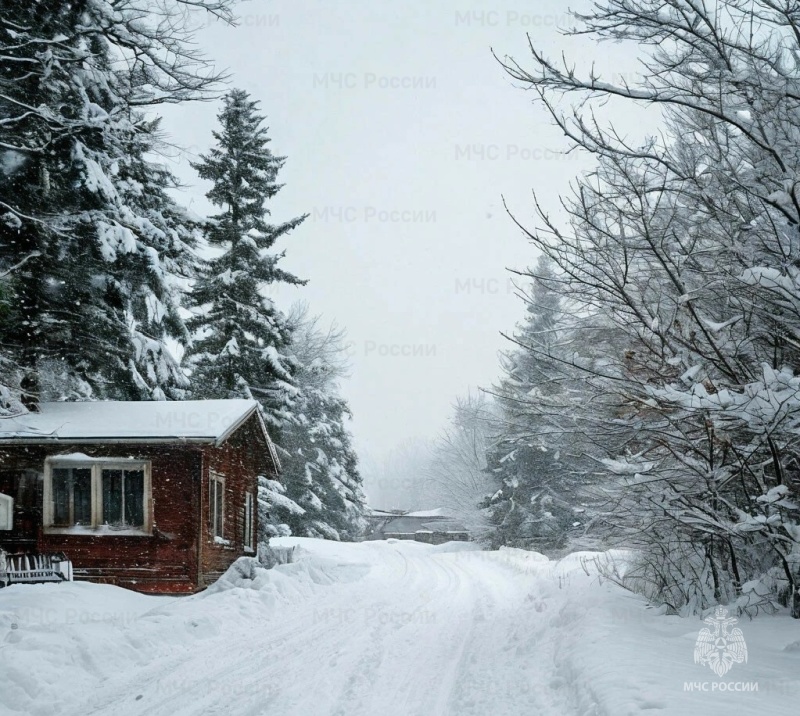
{"x": 159, "y": 497}
{"x": 432, "y": 526}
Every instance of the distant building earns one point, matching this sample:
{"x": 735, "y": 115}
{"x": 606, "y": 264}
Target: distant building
{"x": 158, "y": 496}
{"x": 430, "y": 526}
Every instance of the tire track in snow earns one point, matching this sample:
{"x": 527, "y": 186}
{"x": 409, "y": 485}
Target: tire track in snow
{"x": 476, "y": 653}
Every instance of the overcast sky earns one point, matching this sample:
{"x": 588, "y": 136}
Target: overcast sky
{"x": 402, "y": 133}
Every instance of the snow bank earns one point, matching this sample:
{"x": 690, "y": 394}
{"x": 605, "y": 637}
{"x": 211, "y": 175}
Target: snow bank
{"x": 285, "y": 583}
{"x": 447, "y": 547}
{"x": 378, "y": 627}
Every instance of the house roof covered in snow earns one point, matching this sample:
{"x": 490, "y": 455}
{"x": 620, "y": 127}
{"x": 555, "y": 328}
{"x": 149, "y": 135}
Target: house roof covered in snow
{"x": 198, "y": 421}
{"x": 438, "y": 512}
{"x": 373, "y": 512}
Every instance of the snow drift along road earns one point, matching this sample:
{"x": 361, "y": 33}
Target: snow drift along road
{"x": 376, "y": 628}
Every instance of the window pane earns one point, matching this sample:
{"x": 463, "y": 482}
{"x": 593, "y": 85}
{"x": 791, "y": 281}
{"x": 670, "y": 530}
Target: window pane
{"x": 112, "y": 497}
{"x": 134, "y": 498}
{"x": 82, "y": 495}
{"x": 219, "y": 511}
{"x": 212, "y": 504}
{"x": 248, "y": 520}
{"x": 60, "y": 497}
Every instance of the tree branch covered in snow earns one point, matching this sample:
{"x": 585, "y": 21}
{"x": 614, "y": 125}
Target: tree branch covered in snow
{"x": 456, "y": 468}
{"x": 93, "y": 248}
{"x": 687, "y": 247}
{"x": 321, "y": 472}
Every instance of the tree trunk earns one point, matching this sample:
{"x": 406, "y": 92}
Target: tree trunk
{"x": 30, "y": 389}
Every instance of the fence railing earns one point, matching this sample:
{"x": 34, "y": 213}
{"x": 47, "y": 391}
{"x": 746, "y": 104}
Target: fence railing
{"x": 34, "y": 568}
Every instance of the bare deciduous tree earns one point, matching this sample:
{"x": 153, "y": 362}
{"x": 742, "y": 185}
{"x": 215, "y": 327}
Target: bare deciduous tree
{"x": 687, "y": 246}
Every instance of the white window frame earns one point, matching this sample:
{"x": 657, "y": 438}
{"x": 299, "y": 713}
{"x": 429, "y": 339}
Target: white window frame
{"x": 216, "y": 482}
{"x": 6, "y": 512}
{"x": 96, "y": 466}
{"x": 248, "y": 538}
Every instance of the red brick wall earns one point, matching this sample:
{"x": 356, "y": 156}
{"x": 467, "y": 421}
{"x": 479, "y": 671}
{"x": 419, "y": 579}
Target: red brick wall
{"x": 240, "y": 460}
{"x": 165, "y": 562}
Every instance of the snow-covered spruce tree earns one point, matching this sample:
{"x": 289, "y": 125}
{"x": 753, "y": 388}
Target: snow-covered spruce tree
{"x": 89, "y": 240}
{"x": 10, "y": 373}
{"x": 534, "y": 456}
{"x": 240, "y": 336}
{"x": 689, "y": 245}
{"x": 320, "y": 466}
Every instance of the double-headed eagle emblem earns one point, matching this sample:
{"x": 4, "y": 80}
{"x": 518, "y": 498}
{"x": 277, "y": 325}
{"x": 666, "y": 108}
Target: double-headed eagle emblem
{"x": 718, "y": 647}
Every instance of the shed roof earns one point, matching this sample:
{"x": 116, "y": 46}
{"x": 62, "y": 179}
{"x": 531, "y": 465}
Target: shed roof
{"x": 201, "y": 421}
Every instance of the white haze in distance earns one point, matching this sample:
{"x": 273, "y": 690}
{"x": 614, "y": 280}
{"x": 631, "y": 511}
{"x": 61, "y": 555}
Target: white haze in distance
{"x": 402, "y": 134}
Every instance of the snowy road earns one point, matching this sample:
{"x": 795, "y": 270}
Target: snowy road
{"x": 406, "y": 631}
{"x": 373, "y": 628}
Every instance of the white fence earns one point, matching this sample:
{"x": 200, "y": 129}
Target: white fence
{"x": 33, "y": 568}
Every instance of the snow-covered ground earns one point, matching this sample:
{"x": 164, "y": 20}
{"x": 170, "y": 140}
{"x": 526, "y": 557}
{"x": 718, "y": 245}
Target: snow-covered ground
{"x": 380, "y": 628}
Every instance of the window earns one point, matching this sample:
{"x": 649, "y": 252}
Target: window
{"x": 216, "y": 505}
{"x": 72, "y": 496}
{"x": 6, "y": 512}
{"x": 123, "y": 497}
{"x": 248, "y": 521}
{"x": 97, "y": 495}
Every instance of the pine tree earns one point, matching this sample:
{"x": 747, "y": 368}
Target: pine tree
{"x": 321, "y": 470}
{"x": 10, "y": 373}
{"x": 320, "y": 466}
{"x": 241, "y": 337}
{"x": 91, "y": 245}
{"x": 536, "y": 504}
